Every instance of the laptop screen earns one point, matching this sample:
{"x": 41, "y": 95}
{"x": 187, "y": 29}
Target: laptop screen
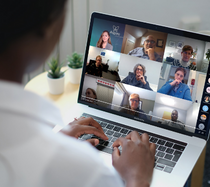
{"x": 149, "y": 73}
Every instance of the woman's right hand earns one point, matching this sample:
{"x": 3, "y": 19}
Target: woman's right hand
{"x": 175, "y": 82}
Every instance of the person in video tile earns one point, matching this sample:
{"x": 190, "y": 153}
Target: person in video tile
{"x": 105, "y": 41}
{"x": 148, "y": 51}
{"x": 184, "y": 62}
{"x": 133, "y": 108}
{"x": 176, "y": 87}
{"x": 174, "y": 122}
{"x": 137, "y": 78}
{"x": 91, "y": 95}
{"x": 95, "y": 68}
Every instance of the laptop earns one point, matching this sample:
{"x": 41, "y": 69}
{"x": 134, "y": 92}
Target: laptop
{"x": 132, "y": 88}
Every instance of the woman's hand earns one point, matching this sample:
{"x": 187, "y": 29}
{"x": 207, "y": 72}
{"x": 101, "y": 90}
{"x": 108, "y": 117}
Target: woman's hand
{"x": 85, "y": 126}
{"x": 175, "y": 82}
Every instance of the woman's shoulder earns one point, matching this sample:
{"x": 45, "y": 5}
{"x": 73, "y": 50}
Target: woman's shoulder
{"x": 109, "y": 46}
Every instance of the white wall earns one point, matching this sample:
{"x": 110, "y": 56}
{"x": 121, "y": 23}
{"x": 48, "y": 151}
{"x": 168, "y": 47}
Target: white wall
{"x": 164, "y": 12}
{"x": 192, "y": 115}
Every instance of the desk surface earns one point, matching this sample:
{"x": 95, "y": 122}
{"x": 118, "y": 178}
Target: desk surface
{"x": 64, "y": 101}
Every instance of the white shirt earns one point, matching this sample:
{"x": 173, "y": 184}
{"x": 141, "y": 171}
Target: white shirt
{"x": 32, "y": 155}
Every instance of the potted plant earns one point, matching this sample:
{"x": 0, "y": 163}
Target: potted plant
{"x": 55, "y": 77}
{"x": 75, "y": 63}
{"x": 208, "y": 54}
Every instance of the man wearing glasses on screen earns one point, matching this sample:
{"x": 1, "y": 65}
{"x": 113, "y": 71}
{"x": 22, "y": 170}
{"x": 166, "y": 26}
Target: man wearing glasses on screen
{"x": 134, "y": 107}
{"x": 148, "y": 51}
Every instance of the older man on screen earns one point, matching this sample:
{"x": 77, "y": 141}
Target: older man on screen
{"x": 148, "y": 51}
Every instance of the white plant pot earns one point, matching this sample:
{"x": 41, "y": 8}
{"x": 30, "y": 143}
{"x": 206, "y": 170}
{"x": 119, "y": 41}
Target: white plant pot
{"x": 56, "y": 86}
{"x": 75, "y": 75}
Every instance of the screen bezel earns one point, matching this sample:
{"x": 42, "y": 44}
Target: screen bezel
{"x": 151, "y": 26}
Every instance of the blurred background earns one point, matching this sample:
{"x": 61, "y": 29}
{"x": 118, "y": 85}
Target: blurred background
{"x": 188, "y": 15}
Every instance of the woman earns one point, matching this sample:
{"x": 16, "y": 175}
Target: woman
{"x": 185, "y": 61}
{"x": 95, "y": 68}
{"x": 29, "y": 32}
{"x": 175, "y": 87}
{"x": 105, "y": 41}
{"x": 91, "y": 95}
{"x": 137, "y": 78}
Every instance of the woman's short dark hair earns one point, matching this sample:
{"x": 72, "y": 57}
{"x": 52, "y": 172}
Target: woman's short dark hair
{"x": 20, "y": 17}
{"x": 187, "y": 48}
{"x": 181, "y": 69}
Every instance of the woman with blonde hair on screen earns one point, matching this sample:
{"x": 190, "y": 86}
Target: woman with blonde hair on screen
{"x": 105, "y": 41}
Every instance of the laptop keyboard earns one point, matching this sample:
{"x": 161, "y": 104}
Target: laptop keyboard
{"x": 168, "y": 151}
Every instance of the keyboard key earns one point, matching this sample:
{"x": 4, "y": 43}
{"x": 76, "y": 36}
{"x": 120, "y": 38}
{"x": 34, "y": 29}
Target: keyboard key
{"x": 98, "y": 121}
{"x": 124, "y": 131}
{"x": 161, "y": 142}
{"x": 169, "y": 144}
{"x": 105, "y": 149}
{"x": 94, "y": 136}
{"x": 178, "y": 147}
{"x": 107, "y": 144}
{"x": 177, "y": 155}
{"x": 110, "y": 137}
{"x": 123, "y": 135}
{"x": 116, "y": 134}
{"x": 109, "y": 132}
{"x": 169, "y": 157}
{"x": 166, "y": 162}
{"x": 161, "y": 148}
{"x": 86, "y": 136}
{"x": 129, "y": 132}
{"x": 104, "y": 129}
{"x": 156, "y": 158}
{"x": 168, "y": 169}
{"x": 160, "y": 154}
{"x": 159, "y": 167}
{"x": 153, "y": 140}
{"x": 101, "y": 141}
{"x": 110, "y": 126}
{"x": 170, "y": 151}
{"x": 103, "y": 124}
{"x": 117, "y": 129}
{"x": 113, "y": 139}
